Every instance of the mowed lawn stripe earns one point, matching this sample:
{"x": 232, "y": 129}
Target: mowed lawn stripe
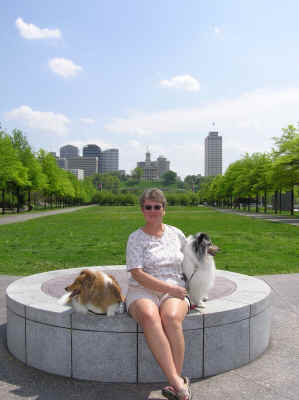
{"x": 98, "y": 236}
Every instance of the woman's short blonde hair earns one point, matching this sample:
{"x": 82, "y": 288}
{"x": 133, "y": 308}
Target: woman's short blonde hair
{"x": 153, "y": 194}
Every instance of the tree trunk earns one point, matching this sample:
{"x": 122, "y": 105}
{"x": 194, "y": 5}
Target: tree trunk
{"x": 292, "y": 201}
{"x": 18, "y": 199}
{"x": 257, "y": 203}
{"x": 3, "y": 201}
{"x": 265, "y": 202}
{"x": 29, "y": 200}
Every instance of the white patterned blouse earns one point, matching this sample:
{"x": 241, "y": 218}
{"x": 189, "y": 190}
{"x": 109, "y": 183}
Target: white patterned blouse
{"x": 160, "y": 257}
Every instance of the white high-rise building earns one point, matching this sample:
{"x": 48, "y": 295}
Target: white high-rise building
{"x": 213, "y": 154}
{"x": 79, "y": 173}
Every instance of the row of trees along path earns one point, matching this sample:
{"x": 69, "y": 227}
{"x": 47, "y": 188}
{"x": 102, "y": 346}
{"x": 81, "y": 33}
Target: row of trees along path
{"x": 28, "y": 178}
{"x": 257, "y": 176}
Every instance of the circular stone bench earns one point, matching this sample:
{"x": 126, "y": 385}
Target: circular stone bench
{"x": 233, "y": 329}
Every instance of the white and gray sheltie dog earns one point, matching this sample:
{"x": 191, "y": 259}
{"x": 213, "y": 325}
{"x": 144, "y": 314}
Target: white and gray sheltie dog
{"x": 199, "y": 267}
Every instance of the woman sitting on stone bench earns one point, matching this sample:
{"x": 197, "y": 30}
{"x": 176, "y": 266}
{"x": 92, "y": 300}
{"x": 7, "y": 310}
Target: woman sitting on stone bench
{"x": 157, "y": 297}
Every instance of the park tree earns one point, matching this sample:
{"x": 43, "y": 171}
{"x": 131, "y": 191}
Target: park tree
{"x": 137, "y": 174}
{"x": 286, "y": 160}
{"x": 13, "y": 174}
{"x": 36, "y": 178}
{"x": 51, "y": 170}
{"x": 259, "y": 176}
{"x": 107, "y": 181}
{"x": 169, "y": 178}
{"x": 192, "y": 182}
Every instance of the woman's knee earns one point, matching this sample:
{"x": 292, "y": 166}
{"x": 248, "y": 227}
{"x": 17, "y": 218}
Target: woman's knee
{"x": 171, "y": 318}
{"x": 173, "y": 313}
{"x": 145, "y": 314}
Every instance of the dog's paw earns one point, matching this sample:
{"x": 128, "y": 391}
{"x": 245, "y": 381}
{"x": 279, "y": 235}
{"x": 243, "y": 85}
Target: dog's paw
{"x": 64, "y": 300}
{"x": 111, "y": 310}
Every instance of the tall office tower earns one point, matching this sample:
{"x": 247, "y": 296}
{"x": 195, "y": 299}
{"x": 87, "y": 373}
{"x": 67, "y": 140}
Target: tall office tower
{"x": 109, "y": 160}
{"x": 213, "y": 154}
{"x": 91, "y": 150}
{"x": 90, "y": 165}
{"x": 69, "y": 151}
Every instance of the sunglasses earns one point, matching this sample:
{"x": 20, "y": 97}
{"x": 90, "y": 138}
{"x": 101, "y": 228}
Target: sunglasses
{"x": 148, "y": 207}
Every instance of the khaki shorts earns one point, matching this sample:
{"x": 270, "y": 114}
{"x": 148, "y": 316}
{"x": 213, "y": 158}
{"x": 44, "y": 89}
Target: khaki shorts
{"x": 136, "y": 293}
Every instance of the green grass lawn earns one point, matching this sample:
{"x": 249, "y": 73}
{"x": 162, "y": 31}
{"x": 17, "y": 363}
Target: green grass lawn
{"x": 98, "y": 236}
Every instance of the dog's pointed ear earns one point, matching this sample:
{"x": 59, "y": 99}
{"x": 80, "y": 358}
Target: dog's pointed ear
{"x": 88, "y": 277}
{"x": 197, "y": 241}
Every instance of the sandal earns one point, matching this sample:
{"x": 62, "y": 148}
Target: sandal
{"x": 170, "y": 393}
{"x": 184, "y": 394}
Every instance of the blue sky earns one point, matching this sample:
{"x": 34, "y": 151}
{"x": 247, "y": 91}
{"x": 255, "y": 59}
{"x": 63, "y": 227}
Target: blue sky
{"x": 135, "y": 74}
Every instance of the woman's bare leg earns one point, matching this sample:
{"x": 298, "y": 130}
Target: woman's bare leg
{"x": 173, "y": 312}
{"x": 146, "y": 313}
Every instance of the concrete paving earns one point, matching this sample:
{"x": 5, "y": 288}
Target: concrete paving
{"x": 285, "y": 219}
{"x": 273, "y": 376}
{"x": 12, "y": 219}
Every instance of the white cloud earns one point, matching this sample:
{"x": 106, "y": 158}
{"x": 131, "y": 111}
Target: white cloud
{"x": 247, "y": 123}
{"x": 185, "y": 82}
{"x": 63, "y": 67}
{"x": 30, "y": 31}
{"x": 135, "y": 145}
{"x": 48, "y": 122}
{"x": 87, "y": 121}
{"x": 216, "y": 30}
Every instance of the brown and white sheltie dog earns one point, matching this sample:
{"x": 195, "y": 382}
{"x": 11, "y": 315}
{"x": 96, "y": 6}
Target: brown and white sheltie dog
{"x": 93, "y": 291}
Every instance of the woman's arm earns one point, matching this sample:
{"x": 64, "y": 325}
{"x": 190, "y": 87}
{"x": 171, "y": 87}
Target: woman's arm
{"x": 152, "y": 283}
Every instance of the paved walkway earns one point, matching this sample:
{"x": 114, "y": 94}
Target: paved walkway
{"x": 286, "y": 219}
{"x": 11, "y": 219}
{"x": 273, "y": 376}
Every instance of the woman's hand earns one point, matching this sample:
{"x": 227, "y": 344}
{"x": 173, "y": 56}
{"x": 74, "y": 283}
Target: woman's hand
{"x": 156, "y": 284}
{"x": 178, "y": 291}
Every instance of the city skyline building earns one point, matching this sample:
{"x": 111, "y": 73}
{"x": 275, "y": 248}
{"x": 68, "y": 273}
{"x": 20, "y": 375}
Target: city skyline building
{"x": 153, "y": 170}
{"x": 79, "y": 173}
{"x": 109, "y": 161}
{"x": 163, "y": 165}
{"x": 69, "y": 151}
{"x": 213, "y": 154}
{"x": 90, "y": 165}
{"x": 91, "y": 150}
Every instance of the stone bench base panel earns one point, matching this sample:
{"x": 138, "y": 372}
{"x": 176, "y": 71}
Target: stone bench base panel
{"x": 233, "y": 330}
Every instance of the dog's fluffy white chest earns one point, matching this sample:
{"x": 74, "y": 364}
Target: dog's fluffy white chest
{"x": 200, "y": 273}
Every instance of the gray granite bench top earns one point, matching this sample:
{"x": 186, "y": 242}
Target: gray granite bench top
{"x": 234, "y": 296}
{"x": 232, "y": 330}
